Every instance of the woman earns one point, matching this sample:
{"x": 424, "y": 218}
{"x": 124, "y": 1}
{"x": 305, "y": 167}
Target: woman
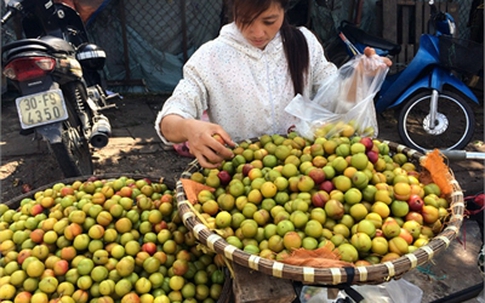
{"x": 244, "y": 79}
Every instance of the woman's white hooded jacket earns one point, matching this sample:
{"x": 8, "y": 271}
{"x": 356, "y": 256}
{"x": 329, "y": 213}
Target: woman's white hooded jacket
{"x": 243, "y": 89}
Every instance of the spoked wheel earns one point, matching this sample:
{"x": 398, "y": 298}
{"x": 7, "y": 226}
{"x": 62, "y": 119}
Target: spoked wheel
{"x": 73, "y": 154}
{"x": 452, "y": 129}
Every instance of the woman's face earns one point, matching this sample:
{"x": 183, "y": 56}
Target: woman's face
{"x": 264, "y": 27}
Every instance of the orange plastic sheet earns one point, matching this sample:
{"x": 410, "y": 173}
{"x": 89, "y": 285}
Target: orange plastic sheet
{"x": 193, "y": 188}
{"x": 439, "y": 171}
{"x": 322, "y": 257}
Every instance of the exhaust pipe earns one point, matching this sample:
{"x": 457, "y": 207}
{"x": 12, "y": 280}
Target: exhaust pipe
{"x": 100, "y": 132}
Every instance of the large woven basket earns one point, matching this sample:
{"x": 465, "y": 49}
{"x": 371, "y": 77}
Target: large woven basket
{"x": 372, "y": 274}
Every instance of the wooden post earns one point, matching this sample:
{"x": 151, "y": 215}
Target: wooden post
{"x": 389, "y": 13}
{"x": 404, "y": 21}
{"x": 421, "y": 17}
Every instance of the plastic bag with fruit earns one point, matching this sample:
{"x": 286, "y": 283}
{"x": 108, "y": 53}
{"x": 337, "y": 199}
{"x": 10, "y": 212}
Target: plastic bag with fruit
{"x": 344, "y": 103}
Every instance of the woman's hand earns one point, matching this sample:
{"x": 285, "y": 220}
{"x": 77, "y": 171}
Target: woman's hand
{"x": 371, "y": 64}
{"x": 371, "y": 52}
{"x": 361, "y": 73}
{"x": 207, "y": 142}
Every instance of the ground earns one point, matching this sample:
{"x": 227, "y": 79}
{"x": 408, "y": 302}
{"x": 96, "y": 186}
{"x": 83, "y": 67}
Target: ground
{"x": 135, "y": 149}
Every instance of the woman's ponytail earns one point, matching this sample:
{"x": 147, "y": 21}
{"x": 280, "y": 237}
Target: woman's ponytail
{"x": 297, "y": 55}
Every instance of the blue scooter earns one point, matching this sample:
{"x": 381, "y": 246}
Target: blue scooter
{"x": 433, "y": 103}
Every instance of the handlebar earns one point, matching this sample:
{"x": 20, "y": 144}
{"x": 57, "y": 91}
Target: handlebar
{"x": 9, "y": 14}
{"x": 12, "y": 9}
{"x": 439, "y": 22}
{"x": 434, "y": 9}
{"x": 435, "y": 13}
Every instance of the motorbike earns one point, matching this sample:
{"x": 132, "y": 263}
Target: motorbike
{"x": 56, "y": 71}
{"x": 431, "y": 101}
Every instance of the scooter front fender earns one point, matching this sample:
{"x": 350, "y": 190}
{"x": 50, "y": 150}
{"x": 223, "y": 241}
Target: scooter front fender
{"x": 435, "y": 81}
{"x": 52, "y": 133}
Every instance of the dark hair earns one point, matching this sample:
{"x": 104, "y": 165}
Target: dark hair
{"x": 294, "y": 42}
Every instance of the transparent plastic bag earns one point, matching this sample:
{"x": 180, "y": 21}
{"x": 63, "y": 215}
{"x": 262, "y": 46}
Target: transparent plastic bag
{"x": 344, "y": 103}
{"x": 394, "y": 291}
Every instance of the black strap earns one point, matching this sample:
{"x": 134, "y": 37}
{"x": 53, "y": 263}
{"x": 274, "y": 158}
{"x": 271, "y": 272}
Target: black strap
{"x": 347, "y": 287}
{"x": 357, "y": 297}
{"x": 350, "y": 272}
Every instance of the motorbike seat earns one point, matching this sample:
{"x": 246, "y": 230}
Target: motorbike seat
{"x": 58, "y": 44}
{"x": 46, "y": 44}
{"x": 12, "y": 52}
{"x": 355, "y": 34}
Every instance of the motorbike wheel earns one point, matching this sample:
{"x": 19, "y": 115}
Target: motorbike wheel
{"x": 454, "y": 125}
{"x": 73, "y": 154}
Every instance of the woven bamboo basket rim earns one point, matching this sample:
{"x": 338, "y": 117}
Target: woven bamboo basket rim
{"x": 371, "y": 274}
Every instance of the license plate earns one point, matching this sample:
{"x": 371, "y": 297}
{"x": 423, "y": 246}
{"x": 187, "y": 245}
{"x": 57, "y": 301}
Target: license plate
{"x": 42, "y": 108}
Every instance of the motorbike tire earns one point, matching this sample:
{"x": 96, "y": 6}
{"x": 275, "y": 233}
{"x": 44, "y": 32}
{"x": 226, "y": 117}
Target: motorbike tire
{"x": 73, "y": 153}
{"x": 455, "y": 122}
